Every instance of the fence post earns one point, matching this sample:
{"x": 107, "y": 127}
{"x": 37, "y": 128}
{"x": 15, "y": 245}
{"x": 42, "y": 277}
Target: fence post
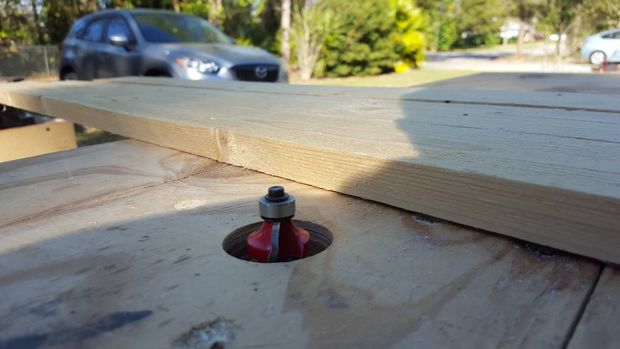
{"x": 47, "y": 63}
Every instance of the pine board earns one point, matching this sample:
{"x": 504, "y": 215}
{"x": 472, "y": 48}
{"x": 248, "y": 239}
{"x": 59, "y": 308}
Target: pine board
{"x": 120, "y": 259}
{"x": 598, "y": 327}
{"x": 571, "y": 92}
{"x": 599, "y": 84}
{"x": 550, "y": 175}
{"x": 32, "y": 140}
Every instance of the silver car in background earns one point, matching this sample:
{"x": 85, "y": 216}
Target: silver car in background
{"x": 160, "y": 43}
{"x": 602, "y": 47}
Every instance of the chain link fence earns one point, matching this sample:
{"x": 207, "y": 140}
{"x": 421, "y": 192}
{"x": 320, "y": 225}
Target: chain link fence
{"x": 24, "y": 61}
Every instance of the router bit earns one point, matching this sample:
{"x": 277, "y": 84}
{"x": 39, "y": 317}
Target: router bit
{"x": 278, "y": 239}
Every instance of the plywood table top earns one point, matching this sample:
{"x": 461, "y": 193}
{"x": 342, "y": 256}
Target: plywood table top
{"x": 119, "y": 245}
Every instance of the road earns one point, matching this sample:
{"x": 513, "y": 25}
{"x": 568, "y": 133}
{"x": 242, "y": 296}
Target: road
{"x": 535, "y": 59}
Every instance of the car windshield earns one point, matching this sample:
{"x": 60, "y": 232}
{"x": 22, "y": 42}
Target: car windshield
{"x": 170, "y": 27}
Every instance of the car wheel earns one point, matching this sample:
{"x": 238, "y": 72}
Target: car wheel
{"x": 598, "y": 57}
{"x": 69, "y": 76}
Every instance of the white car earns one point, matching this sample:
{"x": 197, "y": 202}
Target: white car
{"x": 602, "y": 47}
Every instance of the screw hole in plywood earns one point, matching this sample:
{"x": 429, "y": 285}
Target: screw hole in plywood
{"x": 235, "y": 243}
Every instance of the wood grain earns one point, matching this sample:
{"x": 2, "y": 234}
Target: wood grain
{"x": 31, "y": 195}
{"x": 150, "y": 269}
{"x": 573, "y": 92}
{"x": 544, "y": 174}
{"x": 33, "y": 140}
{"x": 603, "y": 84}
{"x": 598, "y": 327}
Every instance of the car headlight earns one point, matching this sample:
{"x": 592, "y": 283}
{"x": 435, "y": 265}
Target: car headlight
{"x": 201, "y": 66}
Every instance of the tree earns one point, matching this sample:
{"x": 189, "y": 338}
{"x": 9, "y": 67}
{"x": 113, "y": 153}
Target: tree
{"x": 575, "y": 19}
{"x": 442, "y": 32}
{"x": 37, "y": 20}
{"x": 479, "y": 21}
{"x": 559, "y": 16}
{"x": 58, "y": 16}
{"x": 250, "y": 22}
{"x": 216, "y": 9}
{"x": 312, "y": 23}
{"x": 16, "y": 23}
{"x": 238, "y": 19}
{"x": 198, "y": 8}
{"x": 463, "y": 23}
{"x": 285, "y": 27}
{"x": 362, "y": 40}
{"x": 525, "y": 10}
{"x": 596, "y": 16}
{"x": 410, "y": 38}
{"x": 118, "y": 4}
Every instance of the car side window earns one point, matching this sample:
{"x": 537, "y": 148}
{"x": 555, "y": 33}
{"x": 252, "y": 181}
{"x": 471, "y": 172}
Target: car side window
{"x": 94, "y": 31}
{"x": 118, "y": 26}
{"x": 614, "y": 35}
{"x": 78, "y": 30}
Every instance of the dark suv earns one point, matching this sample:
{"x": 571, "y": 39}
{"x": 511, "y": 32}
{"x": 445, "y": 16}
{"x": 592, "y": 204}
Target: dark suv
{"x": 160, "y": 43}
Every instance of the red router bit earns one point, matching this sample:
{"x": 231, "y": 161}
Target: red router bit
{"x": 278, "y": 239}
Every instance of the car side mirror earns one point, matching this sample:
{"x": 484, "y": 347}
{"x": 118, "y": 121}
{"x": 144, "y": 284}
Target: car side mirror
{"x": 119, "y": 40}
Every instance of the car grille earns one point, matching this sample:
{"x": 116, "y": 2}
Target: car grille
{"x": 252, "y": 72}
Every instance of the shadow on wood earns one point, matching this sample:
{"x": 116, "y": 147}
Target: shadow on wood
{"x": 107, "y": 235}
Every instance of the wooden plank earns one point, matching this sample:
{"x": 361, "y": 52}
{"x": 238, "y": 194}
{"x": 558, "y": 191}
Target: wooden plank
{"x": 26, "y": 200}
{"x": 151, "y": 269}
{"x": 550, "y": 176}
{"x": 598, "y": 327}
{"x": 600, "y": 84}
{"x": 33, "y": 140}
{"x": 457, "y": 91}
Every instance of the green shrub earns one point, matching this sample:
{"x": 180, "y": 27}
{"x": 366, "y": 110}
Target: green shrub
{"x": 485, "y": 39}
{"x": 409, "y": 37}
{"x": 448, "y": 35}
{"x": 479, "y": 22}
{"x": 363, "y": 42}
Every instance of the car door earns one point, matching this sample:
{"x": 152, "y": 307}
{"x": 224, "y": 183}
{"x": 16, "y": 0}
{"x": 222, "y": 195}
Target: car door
{"x": 89, "y": 57}
{"x": 615, "y": 47}
{"x": 120, "y": 60}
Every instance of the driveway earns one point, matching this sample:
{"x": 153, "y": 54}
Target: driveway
{"x": 534, "y": 60}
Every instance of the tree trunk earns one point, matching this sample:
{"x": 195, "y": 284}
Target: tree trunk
{"x": 76, "y": 5}
{"x": 215, "y": 10}
{"x": 92, "y": 6}
{"x": 310, "y": 29}
{"x": 37, "y": 22}
{"x": 521, "y": 37}
{"x": 175, "y": 6}
{"x": 285, "y": 26}
{"x": 558, "y": 47}
{"x": 304, "y": 43}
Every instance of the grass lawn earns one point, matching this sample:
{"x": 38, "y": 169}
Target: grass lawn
{"x": 408, "y": 79}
